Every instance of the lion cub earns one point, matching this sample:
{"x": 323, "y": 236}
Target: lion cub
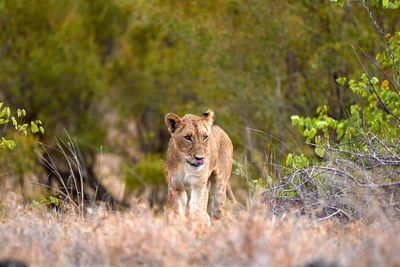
{"x": 199, "y": 159}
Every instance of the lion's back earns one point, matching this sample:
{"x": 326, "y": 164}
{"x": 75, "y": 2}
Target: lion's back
{"x": 223, "y": 145}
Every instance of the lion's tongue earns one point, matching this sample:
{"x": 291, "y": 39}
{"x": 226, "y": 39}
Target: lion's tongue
{"x": 199, "y": 162}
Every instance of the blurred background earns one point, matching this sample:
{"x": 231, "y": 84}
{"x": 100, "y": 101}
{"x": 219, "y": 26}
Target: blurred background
{"x": 103, "y": 73}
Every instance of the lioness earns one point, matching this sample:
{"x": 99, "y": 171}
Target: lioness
{"x": 199, "y": 158}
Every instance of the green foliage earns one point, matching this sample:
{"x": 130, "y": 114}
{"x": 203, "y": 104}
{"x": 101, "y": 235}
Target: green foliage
{"x": 35, "y": 204}
{"x": 148, "y": 171}
{"x": 83, "y": 65}
{"x": 261, "y": 183}
{"x": 310, "y": 126}
{"x": 6, "y": 117}
{"x": 297, "y": 161}
{"x": 370, "y": 116}
{"x": 394, "y": 45}
{"x": 355, "y": 152}
{"x": 51, "y": 201}
{"x": 50, "y": 65}
{"x": 70, "y": 63}
{"x": 391, "y": 4}
{"x": 338, "y": 2}
{"x": 377, "y": 111}
{"x": 258, "y": 183}
{"x": 187, "y": 57}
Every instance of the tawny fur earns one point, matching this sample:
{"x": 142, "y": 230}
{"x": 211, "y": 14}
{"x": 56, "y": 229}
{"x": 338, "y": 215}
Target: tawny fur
{"x": 194, "y": 137}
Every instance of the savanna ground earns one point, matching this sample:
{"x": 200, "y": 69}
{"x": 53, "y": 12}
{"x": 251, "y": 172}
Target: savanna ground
{"x": 250, "y": 236}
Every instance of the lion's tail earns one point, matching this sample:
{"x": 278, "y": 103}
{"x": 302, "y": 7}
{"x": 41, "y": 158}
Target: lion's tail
{"x": 230, "y": 193}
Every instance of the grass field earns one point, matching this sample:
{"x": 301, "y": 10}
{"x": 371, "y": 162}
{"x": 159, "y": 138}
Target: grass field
{"x": 245, "y": 237}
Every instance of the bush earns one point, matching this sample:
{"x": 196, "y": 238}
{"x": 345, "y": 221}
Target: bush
{"x": 358, "y": 157}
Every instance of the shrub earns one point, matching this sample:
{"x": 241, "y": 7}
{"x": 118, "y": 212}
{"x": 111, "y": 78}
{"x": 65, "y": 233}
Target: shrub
{"x": 17, "y": 122}
{"x": 358, "y": 156}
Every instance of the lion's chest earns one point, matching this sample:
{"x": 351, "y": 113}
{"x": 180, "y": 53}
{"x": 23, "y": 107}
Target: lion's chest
{"x": 188, "y": 178}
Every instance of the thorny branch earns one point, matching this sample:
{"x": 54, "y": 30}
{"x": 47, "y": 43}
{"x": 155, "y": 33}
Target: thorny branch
{"x": 386, "y": 108}
{"x": 382, "y": 33}
{"x": 348, "y": 169}
{"x": 379, "y": 68}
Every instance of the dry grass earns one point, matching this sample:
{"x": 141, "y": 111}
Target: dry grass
{"x": 138, "y": 237}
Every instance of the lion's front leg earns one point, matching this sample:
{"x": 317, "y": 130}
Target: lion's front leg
{"x": 181, "y": 201}
{"x": 178, "y": 200}
{"x": 218, "y": 196}
{"x": 198, "y": 202}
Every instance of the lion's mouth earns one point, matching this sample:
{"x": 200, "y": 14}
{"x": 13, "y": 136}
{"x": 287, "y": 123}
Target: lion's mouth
{"x": 197, "y": 163}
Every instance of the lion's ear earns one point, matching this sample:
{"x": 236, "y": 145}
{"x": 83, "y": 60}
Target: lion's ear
{"x": 172, "y": 121}
{"x": 208, "y": 116}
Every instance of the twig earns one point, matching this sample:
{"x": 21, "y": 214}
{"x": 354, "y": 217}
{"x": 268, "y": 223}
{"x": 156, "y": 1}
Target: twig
{"x": 376, "y": 93}
{"x": 329, "y": 216}
{"x": 379, "y": 68}
{"x": 384, "y": 37}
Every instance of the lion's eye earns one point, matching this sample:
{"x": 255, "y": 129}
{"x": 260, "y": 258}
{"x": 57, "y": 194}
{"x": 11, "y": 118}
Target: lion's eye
{"x": 188, "y": 138}
{"x": 205, "y": 138}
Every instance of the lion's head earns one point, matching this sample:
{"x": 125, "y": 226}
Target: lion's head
{"x": 191, "y": 135}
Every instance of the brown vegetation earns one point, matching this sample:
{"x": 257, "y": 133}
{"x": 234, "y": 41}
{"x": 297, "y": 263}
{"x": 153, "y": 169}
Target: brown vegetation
{"x": 251, "y": 237}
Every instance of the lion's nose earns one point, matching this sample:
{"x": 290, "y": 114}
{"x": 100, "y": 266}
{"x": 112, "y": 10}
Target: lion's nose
{"x": 198, "y": 157}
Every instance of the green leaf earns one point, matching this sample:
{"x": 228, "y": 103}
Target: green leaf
{"x": 45, "y": 200}
{"x": 339, "y": 3}
{"x": 311, "y": 133}
{"x": 41, "y": 129}
{"x": 54, "y": 200}
{"x": 289, "y": 159}
{"x": 321, "y": 124}
{"x": 34, "y": 127}
{"x": 319, "y": 151}
{"x": 295, "y": 119}
{"x": 14, "y": 122}
{"x": 10, "y": 144}
{"x": 341, "y": 80}
{"x": 339, "y": 132}
{"x": 19, "y": 113}
{"x": 35, "y": 204}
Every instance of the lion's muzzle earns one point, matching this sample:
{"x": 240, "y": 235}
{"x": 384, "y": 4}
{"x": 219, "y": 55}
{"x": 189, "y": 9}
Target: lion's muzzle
{"x": 198, "y": 161}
